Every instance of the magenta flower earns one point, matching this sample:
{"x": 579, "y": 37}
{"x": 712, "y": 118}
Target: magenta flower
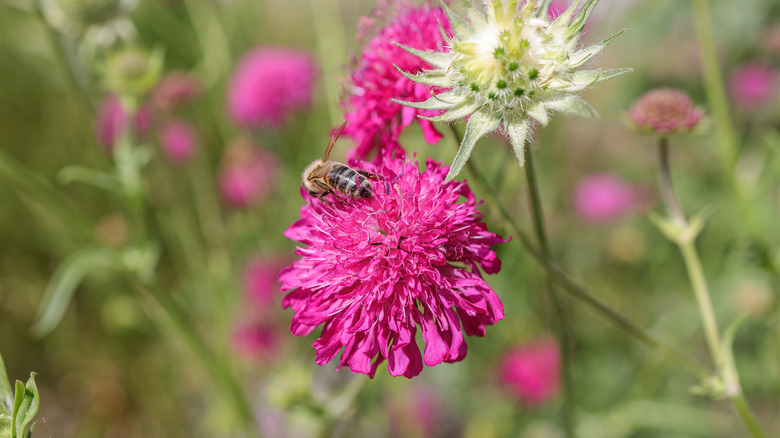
{"x": 260, "y": 281}
{"x": 254, "y": 340}
{"x": 532, "y": 371}
{"x": 374, "y": 270}
{"x": 375, "y": 121}
{"x": 175, "y": 89}
{"x": 111, "y": 119}
{"x": 557, "y": 7}
{"x": 178, "y": 140}
{"x": 248, "y": 174}
{"x": 268, "y": 85}
{"x": 665, "y": 111}
{"x": 753, "y": 85}
{"x": 604, "y": 197}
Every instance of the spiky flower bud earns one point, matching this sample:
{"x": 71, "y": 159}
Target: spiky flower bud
{"x": 665, "y": 111}
{"x": 132, "y": 72}
{"x": 507, "y": 64}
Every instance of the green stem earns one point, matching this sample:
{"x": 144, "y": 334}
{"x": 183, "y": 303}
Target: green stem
{"x": 579, "y": 292}
{"x": 724, "y": 131}
{"x": 740, "y": 404}
{"x": 560, "y": 317}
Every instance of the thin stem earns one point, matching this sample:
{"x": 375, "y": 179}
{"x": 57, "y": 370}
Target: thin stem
{"x": 580, "y": 292}
{"x": 667, "y": 190}
{"x": 560, "y": 312}
{"x": 740, "y": 404}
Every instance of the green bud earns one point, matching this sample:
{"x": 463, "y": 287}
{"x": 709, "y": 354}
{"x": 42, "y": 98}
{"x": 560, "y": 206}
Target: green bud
{"x": 132, "y": 72}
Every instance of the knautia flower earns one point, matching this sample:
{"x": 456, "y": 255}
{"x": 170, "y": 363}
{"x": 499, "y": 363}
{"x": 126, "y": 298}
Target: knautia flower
{"x": 268, "y": 85}
{"x": 604, "y": 197}
{"x": 374, "y": 270}
{"x": 753, "y": 85}
{"x": 508, "y": 64}
{"x": 375, "y": 121}
{"x": 665, "y": 111}
{"x": 174, "y": 90}
{"x": 532, "y": 371}
{"x": 248, "y": 174}
{"x": 111, "y": 119}
{"x": 178, "y": 140}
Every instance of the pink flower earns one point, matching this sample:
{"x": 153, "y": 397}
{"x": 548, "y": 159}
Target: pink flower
{"x": 532, "y": 371}
{"x": 175, "y": 89}
{"x": 248, "y": 174}
{"x": 665, "y": 111}
{"x": 414, "y": 414}
{"x": 753, "y": 85}
{"x": 375, "y": 121}
{"x": 603, "y": 198}
{"x": 556, "y": 8}
{"x": 374, "y": 270}
{"x": 260, "y": 280}
{"x": 268, "y": 85}
{"x": 254, "y": 340}
{"x": 178, "y": 140}
{"x": 111, "y": 118}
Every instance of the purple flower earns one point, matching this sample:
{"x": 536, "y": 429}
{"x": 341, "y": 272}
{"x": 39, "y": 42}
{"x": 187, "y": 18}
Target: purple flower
{"x": 111, "y": 119}
{"x": 255, "y": 340}
{"x": 268, "y": 85}
{"x": 753, "y": 85}
{"x": 603, "y": 198}
{"x": 374, "y": 270}
{"x": 532, "y": 371}
{"x": 178, "y": 140}
{"x": 175, "y": 89}
{"x": 375, "y": 121}
{"x": 665, "y": 111}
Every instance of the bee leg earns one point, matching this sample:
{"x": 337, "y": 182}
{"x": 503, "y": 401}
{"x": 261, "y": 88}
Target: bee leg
{"x": 371, "y": 176}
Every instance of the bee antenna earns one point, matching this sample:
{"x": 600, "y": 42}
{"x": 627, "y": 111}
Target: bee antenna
{"x": 333, "y": 139}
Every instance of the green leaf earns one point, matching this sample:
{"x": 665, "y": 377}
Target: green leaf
{"x": 95, "y": 178}
{"x": 436, "y": 78}
{"x": 460, "y": 28}
{"x": 6, "y": 424}
{"x": 26, "y": 402}
{"x": 582, "y": 56}
{"x": 582, "y": 15}
{"x": 440, "y": 60}
{"x": 518, "y": 131}
{"x": 573, "y": 105}
{"x": 539, "y": 113}
{"x": 434, "y": 103}
{"x": 478, "y": 125}
{"x": 456, "y": 113}
{"x": 731, "y": 386}
{"x": 68, "y": 275}
{"x": 6, "y": 396}
{"x": 582, "y": 79}
{"x": 544, "y": 6}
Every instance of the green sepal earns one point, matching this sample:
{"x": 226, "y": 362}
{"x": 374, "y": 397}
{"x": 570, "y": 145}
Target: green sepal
{"x": 538, "y": 112}
{"x": 518, "y": 131}
{"x": 437, "y": 102}
{"x": 437, "y": 78}
{"x": 582, "y": 56}
{"x": 26, "y": 403}
{"x": 6, "y": 424}
{"x": 68, "y": 275}
{"x": 440, "y": 60}
{"x": 461, "y": 29}
{"x": 6, "y": 394}
{"x": 456, "y": 113}
{"x": 581, "y": 79}
{"x": 478, "y": 125}
{"x": 582, "y": 16}
{"x": 571, "y": 104}
{"x": 95, "y": 178}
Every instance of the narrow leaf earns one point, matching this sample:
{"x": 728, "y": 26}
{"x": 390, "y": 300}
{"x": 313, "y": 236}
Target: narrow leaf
{"x": 436, "y": 78}
{"x": 518, "y": 134}
{"x": 6, "y": 424}
{"x": 539, "y": 113}
{"x": 26, "y": 403}
{"x": 89, "y": 176}
{"x": 437, "y": 59}
{"x": 64, "y": 282}
{"x": 434, "y": 103}
{"x": 456, "y": 113}
{"x": 583, "y": 14}
{"x": 478, "y": 125}
{"x": 6, "y": 396}
{"x": 582, "y": 79}
{"x": 460, "y": 28}
{"x": 543, "y": 9}
{"x": 581, "y": 57}
{"x": 573, "y": 105}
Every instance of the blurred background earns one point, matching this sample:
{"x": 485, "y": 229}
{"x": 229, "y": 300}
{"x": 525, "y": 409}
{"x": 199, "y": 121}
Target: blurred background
{"x": 221, "y": 190}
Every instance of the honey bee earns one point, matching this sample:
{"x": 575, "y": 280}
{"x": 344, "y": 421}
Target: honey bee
{"x": 323, "y": 177}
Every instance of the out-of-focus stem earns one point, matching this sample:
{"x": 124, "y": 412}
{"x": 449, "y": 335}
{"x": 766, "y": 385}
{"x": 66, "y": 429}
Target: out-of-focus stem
{"x": 537, "y": 211}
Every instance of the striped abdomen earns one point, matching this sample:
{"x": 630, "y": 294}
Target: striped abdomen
{"x": 349, "y": 182}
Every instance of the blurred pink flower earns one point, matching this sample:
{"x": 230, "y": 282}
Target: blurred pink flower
{"x": 414, "y": 414}
{"x": 255, "y": 340}
{"x": 604, "y": 197}
{"x": 260, "y": 282}
{"x": 753, "y": 85}
{"x": 665, "y": 111}
{"x": 111, "y": 118}
{"x": 248, "y": 174}
{"x": 375, "y": 121}
{"x": 556, "y": 8}
{"x": 175, "y": 89}
{"x": 268, "y": 85}
{"x": 532, "y": 371}
{"x": 374, "y": 270}
{"x": 178, "y": 140}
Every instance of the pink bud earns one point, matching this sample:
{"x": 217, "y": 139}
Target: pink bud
{"x": 178, "y": 140}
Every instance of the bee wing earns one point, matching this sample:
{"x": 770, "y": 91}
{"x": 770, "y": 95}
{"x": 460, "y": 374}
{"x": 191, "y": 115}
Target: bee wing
{"x": 333, "y": 139}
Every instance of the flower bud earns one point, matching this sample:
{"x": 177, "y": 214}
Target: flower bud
{"x": 178, "y": 140}
{"x": 131, "y": 72}
{"x": 665, "y": 111}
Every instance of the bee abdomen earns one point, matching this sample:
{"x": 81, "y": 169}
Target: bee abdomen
{"x": 347, "y": 181}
